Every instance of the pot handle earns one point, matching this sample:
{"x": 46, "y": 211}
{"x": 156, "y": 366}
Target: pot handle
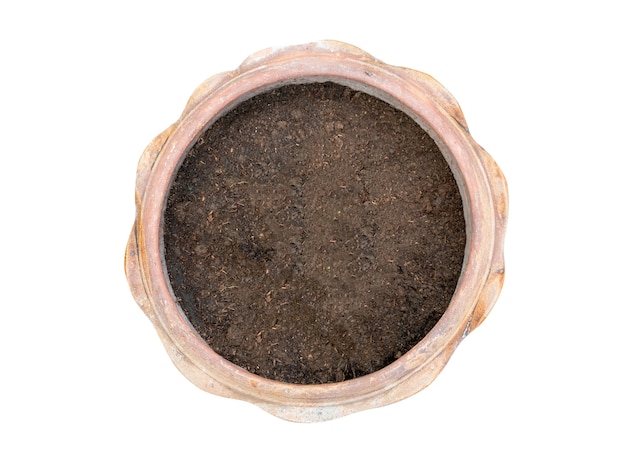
{"x": 146, "y": 162}
{"x": 132, "y": 258}
{"x": 495, "y": 280}
{"x": 134, "y": 275}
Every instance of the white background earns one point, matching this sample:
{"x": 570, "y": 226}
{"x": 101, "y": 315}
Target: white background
{"x": 84, "y": 87}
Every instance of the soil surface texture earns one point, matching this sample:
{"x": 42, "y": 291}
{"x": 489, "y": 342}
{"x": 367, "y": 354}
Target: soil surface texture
{"x": 314, "y": 234}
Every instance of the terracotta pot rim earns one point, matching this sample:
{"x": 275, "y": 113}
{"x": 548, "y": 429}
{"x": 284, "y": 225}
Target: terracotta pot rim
{"x": 411, "y": 92}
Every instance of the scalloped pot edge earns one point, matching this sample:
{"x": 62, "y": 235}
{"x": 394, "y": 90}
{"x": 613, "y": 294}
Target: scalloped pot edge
{"x": 485, "y": 202}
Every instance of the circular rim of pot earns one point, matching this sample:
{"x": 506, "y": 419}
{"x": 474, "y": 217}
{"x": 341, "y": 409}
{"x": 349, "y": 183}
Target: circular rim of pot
{"x": 436, "y": 111}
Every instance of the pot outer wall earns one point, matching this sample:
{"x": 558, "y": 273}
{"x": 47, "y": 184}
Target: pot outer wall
{"x": 485, "y": 202}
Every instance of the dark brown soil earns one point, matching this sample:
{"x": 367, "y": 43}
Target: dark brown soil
{"x": 314, "y": 234}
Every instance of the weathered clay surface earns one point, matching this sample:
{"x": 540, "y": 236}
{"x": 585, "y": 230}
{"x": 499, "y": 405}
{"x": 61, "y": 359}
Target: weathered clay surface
{"x": 485, "y": 200}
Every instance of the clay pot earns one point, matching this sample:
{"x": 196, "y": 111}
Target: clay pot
{"x": 481, "y": 184}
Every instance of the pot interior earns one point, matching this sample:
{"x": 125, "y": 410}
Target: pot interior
{"x": 313, "y": 234}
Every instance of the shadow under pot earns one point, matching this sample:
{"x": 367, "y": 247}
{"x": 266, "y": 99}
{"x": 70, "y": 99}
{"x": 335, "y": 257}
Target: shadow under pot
{"x": 317, "y": 232}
